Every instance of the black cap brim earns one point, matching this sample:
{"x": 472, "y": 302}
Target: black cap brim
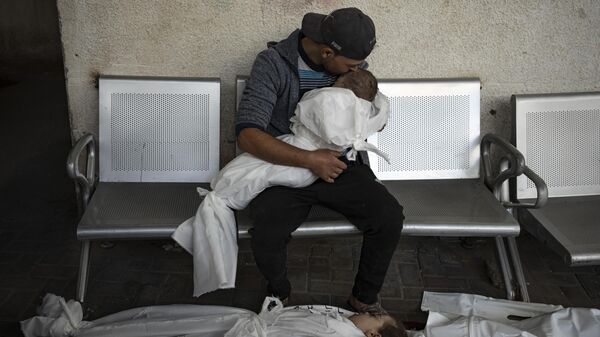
{"x": 311, "y": 26}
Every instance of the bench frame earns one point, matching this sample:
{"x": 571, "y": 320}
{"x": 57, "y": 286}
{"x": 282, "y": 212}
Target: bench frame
{"x": 513, "y": 165}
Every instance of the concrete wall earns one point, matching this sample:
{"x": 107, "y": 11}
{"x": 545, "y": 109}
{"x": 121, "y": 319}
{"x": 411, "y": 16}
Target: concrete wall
{"x": 526, "y": 46}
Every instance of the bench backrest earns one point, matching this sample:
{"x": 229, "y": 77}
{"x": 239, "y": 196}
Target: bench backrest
{"x": 433, "y": 130}
{"x": 159, "y": 129}
{"x": 559, "y": 135}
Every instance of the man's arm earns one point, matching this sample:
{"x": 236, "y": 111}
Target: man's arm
{"x": 253, "y": 115}
{"x": 323, "y": 163}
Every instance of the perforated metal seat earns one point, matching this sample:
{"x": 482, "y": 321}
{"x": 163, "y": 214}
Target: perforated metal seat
{"x": 138, "y": 210}
{"x": 570, "y": 226}
{"x": 559, "y": 135}
{"x": 159, "y": 141}
{"x": 461, "y": 208}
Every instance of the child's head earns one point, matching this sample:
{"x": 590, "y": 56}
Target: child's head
{"x": 379, "y": 325}
{"x": 361, "y": 82}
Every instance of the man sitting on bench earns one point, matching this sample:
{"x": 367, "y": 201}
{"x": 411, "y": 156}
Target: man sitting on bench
{"x": 337, "y": 118}
{"x": 310, "y": 58}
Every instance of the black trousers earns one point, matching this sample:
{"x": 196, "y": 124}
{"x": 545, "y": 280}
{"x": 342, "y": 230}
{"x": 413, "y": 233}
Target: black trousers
{"x": 278, "y": 211}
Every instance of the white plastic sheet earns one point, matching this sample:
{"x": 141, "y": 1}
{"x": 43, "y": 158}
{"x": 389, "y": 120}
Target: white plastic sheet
{"x": 330, "y": 118}
{"x": 194, "y": 321}
{"x": 307, "y": 320}
{"x": 450, "y": 315}
{"x": 56, "y": 318}
{"x": 167, "y": 320}
{"x": 466, "y": 315}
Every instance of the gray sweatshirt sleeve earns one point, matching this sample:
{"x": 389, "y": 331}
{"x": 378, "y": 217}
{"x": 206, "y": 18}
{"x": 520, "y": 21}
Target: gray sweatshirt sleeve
{"x": 260, "y": 95}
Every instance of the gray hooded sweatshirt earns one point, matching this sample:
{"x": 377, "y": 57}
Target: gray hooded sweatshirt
{"x": 273, "y": 89}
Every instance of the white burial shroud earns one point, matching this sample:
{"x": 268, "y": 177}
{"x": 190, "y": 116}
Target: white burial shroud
{"x": 56, "y": 317}
{"x": 467, "y": 315}
{"x": 450, "y": 315}
{"x": 328, "y": 118}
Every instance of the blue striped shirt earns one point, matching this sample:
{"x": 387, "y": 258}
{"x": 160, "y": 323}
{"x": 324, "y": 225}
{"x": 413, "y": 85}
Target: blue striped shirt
{"x": 312, "y": 76}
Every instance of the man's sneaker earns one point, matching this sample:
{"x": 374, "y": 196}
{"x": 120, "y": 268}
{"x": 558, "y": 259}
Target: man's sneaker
{"x": 362, "y": 308}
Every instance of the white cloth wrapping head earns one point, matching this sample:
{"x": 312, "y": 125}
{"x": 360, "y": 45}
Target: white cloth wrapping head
{"x": 332, "y": 118}
{"x": 336, "y": 119}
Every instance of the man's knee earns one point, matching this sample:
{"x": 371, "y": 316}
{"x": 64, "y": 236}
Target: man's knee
{"x": 392, "y": 221}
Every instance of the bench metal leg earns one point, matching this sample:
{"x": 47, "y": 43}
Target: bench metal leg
{"x": 506, "y": 269}
{"x": 83, "y": 270}
{"x": 516, "y": 260}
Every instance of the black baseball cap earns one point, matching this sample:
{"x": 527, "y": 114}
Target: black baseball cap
{"x": 348, "y": 31}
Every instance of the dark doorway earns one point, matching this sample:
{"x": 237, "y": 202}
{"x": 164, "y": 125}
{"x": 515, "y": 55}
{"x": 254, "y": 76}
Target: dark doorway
{"x": 37, "y": 203}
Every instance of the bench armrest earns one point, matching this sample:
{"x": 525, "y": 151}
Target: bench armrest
{"x": 516, "y": 167}
{"x": 540, "y": 186}
{"x": 85, "y": 182}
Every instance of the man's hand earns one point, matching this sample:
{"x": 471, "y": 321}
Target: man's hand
{"x": 325, "y": 164}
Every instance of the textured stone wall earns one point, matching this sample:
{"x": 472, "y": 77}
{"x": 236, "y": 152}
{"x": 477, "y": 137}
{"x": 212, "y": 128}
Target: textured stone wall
{"x": 526, "y": 46}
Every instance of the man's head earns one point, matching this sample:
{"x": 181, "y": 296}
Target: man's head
{"x": 378, "y": 325}
{"x": 361, "y": 82}
{"x": 345, "y": 38}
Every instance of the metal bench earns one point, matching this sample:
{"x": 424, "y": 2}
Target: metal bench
{"x": 159, "y": 140}
{"x": 559, "y": 134}
{"x": 433, "y": 140}
{"x": 146, "y": 190}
